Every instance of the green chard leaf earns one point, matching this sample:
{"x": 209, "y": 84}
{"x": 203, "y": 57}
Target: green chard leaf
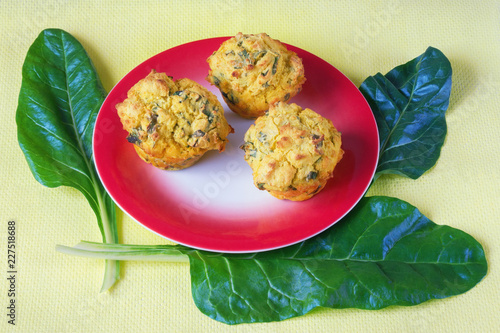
{"x": 409, "y": 104}
{"x": 383, "y": 253}
{"x": 60, "y": 97}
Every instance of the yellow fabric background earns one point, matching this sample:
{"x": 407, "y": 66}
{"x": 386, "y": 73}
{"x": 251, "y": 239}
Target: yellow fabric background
{"x": 60, "y": 293}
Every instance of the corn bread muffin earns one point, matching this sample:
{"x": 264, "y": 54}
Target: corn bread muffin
{"x": 254, "y": 71}
{"x": 292, "y": 151}
{"x": 172, "y": 123}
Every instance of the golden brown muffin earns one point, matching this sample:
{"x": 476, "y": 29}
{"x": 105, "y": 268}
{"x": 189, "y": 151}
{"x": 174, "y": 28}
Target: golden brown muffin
{"x": 254, "y": 71}
{"x": 292, "y": 151}
{"x": 172, "y": 123}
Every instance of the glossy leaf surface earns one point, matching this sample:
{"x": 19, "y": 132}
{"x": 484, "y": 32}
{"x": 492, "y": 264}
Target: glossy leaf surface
{"x": 385, "y": 252}
{"x": 58, "y": 103}
{"x": 409, "y": 104}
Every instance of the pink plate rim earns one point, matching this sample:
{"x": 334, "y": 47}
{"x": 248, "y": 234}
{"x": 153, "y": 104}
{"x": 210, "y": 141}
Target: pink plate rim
{"x": 180, "y": 234}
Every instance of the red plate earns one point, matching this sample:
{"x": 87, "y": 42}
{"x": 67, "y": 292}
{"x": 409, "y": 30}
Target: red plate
{"x": 214, "y": 205}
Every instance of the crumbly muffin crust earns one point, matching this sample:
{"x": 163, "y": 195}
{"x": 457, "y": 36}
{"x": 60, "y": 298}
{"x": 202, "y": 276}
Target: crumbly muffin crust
{"x": 254, "y": 71}
{"x": 292, "y": 151}
{"x": 172, "y": 123}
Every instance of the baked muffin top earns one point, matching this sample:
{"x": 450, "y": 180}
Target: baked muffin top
{"x": 173, "y": 118}
{"x": 253, "y": 71}
{"x": 292, "y": 151}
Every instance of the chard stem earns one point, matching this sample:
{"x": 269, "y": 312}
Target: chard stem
{"x": 124, "y": 252}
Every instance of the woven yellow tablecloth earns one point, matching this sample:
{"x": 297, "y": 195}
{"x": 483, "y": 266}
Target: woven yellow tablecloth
{"x": 60, "y": 293}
